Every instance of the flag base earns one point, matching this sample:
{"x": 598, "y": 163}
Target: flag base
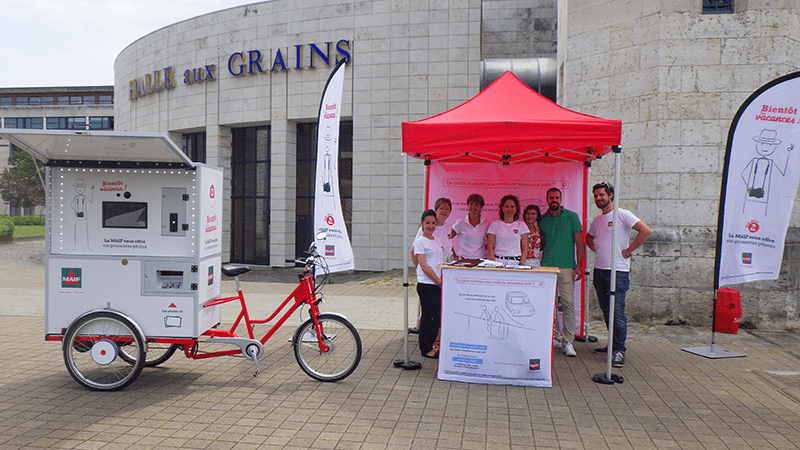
{"x": 407, "y": 365}
{"x": 602, "y": 378}
{"x": 713, "y": 352}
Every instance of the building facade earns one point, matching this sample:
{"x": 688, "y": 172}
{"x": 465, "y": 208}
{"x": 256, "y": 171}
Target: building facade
{"x": 246, "y": 82}
{"x": 675, "y": 73}
{"x": 51, "y": 108}
{"x": 241, "y": 88}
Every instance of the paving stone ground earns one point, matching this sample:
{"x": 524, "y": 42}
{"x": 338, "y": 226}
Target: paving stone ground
{"x": 670, "y": 399}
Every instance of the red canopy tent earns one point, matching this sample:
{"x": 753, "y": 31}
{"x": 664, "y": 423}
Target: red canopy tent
{"x": 507, "y": 123}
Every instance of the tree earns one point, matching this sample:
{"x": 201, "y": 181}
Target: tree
{"x": 21, "y": 182}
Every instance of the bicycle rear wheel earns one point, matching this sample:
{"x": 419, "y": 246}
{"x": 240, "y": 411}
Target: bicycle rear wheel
{"x": 91, "y": 351}
{"x": 344, "y": 348}
{"x": 157, "y": 353}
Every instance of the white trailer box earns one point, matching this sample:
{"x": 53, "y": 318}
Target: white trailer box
{"x": 132, "y": 226}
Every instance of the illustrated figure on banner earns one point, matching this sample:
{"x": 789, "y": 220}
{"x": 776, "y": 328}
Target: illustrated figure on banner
{"x": 81, "y": 241}
{"x": 495, "y": 321}
{"x": 327, "y": 163}
{"x": 757, "y": 175}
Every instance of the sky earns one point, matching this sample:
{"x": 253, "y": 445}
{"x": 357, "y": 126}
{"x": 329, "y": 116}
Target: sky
{"x": 49, "y": 43}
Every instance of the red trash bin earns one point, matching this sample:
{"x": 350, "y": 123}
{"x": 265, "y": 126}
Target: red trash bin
{"x": 728, "y": 311}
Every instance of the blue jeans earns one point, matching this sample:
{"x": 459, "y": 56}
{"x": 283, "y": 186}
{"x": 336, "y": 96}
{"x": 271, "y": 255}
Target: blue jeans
{"x": 602, "y": 284}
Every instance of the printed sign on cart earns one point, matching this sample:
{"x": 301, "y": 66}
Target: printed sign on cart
{"x": 71, "y": 278}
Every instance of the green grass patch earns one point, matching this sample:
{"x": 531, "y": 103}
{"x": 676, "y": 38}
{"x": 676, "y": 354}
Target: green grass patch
{"x": 29, "y": 230}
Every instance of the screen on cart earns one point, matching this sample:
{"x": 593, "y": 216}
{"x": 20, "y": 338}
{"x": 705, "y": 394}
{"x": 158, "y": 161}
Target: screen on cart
{"x": 124, "y": 215}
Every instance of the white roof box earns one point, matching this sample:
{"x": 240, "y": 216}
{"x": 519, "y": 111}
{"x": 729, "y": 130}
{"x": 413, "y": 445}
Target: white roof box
{"x": 99, "y": 148}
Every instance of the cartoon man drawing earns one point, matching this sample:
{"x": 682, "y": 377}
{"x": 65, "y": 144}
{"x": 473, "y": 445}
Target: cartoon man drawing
{"x": 757, "y": 175}
{"x": 327, "y": 164}
{"x": 81, "y": 223}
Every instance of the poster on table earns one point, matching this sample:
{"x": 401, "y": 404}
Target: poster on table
{"x": 528, "y": 181}
{"x": 497, "y": 326}
{"x": 328, "y": 215}
{"x": 760, "y": 179}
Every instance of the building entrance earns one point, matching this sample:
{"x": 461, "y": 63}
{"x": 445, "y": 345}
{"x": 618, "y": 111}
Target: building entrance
{"x": 250, "y": 187}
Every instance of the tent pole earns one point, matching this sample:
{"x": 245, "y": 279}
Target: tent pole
{"x": 608, "y": 377}
{"x": 405, "y": 363}
{"x": 586, "y": 224}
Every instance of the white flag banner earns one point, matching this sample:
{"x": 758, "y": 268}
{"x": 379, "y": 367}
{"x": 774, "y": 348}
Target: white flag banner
{"x": 760, "y": 177}
{"x": 328, "y": 215}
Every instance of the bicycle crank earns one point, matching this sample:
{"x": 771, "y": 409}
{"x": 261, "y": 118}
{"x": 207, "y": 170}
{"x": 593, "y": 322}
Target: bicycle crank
{"x": 251, "y": 348}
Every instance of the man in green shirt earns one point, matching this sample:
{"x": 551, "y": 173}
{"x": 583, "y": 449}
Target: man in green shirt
{"x": 563, "y": 242}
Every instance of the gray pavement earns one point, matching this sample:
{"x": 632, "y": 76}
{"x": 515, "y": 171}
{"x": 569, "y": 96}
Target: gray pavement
{"x": 670, "y": 399}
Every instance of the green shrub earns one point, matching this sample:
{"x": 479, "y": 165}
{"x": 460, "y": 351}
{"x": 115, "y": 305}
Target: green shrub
{"x": 6, "y": 228}
{"x": 28, "y": 220}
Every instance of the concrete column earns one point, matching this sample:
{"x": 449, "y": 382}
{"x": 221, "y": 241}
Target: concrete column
{"x": 283, "y": 192}
{"x": 218, "y": 153}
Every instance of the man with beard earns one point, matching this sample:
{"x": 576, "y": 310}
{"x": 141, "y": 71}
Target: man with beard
{"x": 598, "y": 239}
{"x": 563, "y": 248}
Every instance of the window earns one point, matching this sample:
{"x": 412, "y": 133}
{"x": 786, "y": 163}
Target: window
{"x": 76, "y": 100}
{"x": 101, "y": 123}
{"x": 48, "y": 100}
{"x": 194, "y": 145}
{"x": 66, "y": 123}
{"x": 106, "y": 99}
{"x": 63, "y": 100}
{"x": 34, "y": 123}
{"x": 21, "y": 101}
{"x": 717, "y": 6}
{"x": 5, "y": 101}
{"x": 89, "y": 99}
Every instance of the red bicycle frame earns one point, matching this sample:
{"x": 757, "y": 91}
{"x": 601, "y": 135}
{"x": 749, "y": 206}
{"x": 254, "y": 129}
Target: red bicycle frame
{"x": 302, "y": 294}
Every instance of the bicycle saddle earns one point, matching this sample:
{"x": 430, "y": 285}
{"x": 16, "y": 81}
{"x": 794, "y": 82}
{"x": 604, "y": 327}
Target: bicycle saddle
{"x": 231, "y": 271}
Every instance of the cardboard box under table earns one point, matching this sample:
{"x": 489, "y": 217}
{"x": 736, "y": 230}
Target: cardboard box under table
{"x": 133, "y": 226}
{"x": 497, "y": 325}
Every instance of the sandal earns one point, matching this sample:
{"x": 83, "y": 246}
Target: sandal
{"x": 432, "y": 354}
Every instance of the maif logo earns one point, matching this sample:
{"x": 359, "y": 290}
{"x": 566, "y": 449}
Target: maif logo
{"x": 329, "y": 220}
{"x": 747, "y": 258}
{"x": 752, "y": 226}
{"x": 70, "y": 277}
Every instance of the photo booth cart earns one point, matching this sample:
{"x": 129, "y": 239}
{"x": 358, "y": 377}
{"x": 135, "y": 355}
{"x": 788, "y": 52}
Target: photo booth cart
{"x": 133, "y": 240}
{"x": 508, "y": 139}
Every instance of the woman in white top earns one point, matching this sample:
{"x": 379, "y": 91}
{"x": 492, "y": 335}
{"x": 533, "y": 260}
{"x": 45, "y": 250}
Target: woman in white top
{"x": 504, "y": 239}
{"x": 470, "y": 232}
{"x": 443, "y": 207}
{"x": 429, "y": 254}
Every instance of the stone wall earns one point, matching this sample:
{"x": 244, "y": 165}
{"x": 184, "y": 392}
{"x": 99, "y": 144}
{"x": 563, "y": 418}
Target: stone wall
{"x": 676, "y": 78}
{"x": 514, "y": 29}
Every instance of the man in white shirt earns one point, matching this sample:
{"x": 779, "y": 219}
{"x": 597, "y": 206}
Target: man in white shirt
{"x": 598, "y": 239}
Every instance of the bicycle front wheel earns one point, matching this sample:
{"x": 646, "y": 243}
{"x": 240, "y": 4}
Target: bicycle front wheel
{"x": 342, "y": 353}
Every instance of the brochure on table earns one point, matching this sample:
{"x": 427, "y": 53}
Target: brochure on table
{"x": 497, "y": 326}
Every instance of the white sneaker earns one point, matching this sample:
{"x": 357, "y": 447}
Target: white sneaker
{"x": 556, "y": 343}
{"x": 568, "y": 350}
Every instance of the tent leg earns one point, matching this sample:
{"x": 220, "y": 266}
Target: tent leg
{"x": 608, "y": 377}
{"x": 405, "y": 363}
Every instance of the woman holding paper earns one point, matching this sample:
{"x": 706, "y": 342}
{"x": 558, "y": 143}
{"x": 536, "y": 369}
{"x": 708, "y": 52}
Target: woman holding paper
{"x": 532, "y": 252}
{"x": 506, "y": 237}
